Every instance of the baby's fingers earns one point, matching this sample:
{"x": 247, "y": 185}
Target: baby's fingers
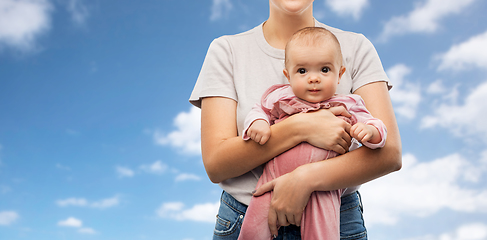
{"x": 365, "y": 138}
{"x": 263, "y": 139}
{"x": 355, "y": 132}
{"x": 254, "y": 135}
{"x": 352, "y": 131}
{"x": 258, "y": 139}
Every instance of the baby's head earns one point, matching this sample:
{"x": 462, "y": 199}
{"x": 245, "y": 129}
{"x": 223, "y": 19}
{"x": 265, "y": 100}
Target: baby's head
{"x": 313, "y": 64}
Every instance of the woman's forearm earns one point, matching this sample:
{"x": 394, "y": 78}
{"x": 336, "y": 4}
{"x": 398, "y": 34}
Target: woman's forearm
{"x": 226, "y": 155}
{"x": 233, "y": 157}
{"x": 364, "y": 164}
{"x": 352, "y": 169}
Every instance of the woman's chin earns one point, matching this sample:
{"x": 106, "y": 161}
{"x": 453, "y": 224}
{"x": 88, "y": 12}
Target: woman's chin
{"x": 293, "y": 7}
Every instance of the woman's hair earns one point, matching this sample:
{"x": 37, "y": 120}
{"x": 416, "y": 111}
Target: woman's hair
{"x": 312, "y": 36}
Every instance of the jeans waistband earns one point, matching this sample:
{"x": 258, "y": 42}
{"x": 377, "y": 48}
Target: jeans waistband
{"x": 233, "y": 203}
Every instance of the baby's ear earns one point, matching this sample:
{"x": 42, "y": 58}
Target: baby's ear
{"x": 342, "y": 71}
{"x": 286, "y": 73}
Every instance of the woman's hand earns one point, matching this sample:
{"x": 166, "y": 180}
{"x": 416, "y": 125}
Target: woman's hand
{"x": 290, "y": 196}
{"x": 324, "y": 130}
{"x": 291, "y": 191}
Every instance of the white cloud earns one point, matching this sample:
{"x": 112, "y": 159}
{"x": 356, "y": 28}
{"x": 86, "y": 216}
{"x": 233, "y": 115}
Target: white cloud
{"x": 462, "y": 120}
{"x": 348, "y": 8}
{"x": 421, "y": 189}
{"x": 471, "y": 231}
{"x": 72, "y": 202}
{"x": 23, "y": 21}
{"x": 220, "y": 8}
{"x": 474, "y": 231}
{"x": 187, "y": 176}
{"x": 76, "y": 223}
{"x": 87, "y": 231}
{"x": 157, "y": 167}
{"x": 124, "y": 171}
{"x": 442, "y": 93}
{"x": 8, "y": 217}
{"x": 187, "y": 136}
{"x": 106, "y": 203}
{"x": 436, "y": 87}
{"x": 81, "y": 202}
{"x": 205, "y": 212}
{"x": 405, "y": 95}
{"x": 70, "y": 222}
{"x": 471, "y": 53}
{"x": 79, "y": 12}
{"x": 424, "y": 18}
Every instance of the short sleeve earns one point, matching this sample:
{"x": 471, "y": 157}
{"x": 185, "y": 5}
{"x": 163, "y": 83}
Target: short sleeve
{"x": 366, "y": 64}
{"x": 216, "y": 75}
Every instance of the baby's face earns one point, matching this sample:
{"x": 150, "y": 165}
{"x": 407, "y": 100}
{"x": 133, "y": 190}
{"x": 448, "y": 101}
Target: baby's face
{"x": 313, "y": 72}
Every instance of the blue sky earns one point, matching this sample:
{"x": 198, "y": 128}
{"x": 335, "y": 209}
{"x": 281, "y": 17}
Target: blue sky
{"x": 98, "y": 140}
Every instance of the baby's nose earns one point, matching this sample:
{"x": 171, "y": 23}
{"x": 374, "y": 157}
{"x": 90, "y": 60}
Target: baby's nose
{"x": 314, "y": 79}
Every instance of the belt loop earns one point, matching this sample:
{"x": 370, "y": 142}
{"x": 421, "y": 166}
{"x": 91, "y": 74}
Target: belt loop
{"x": 360, "y": 201}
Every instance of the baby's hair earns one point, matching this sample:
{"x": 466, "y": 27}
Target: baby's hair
{"x": 311, "y": 36}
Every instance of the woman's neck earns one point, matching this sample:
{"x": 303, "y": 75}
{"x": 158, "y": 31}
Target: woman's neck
{"x": 279, "y": 28}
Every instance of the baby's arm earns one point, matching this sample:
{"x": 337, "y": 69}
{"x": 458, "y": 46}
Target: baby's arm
{"x": 370, "y": 131}
{"x": 365, "y": 133}
{"x": 259, "y": 131}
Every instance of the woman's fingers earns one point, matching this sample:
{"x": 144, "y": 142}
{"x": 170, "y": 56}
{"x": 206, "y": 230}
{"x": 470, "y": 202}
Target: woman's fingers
{"x": 289, "y": 198}
{"x": 297, "y": 220}
{"x": 340, "y": 111}
{"x": 282, "y": 219}
{"x": 272, "y": 221}
{"x": 266, "y": 187}
{"x": 326, "y": 130}
{"x": 342, "y": 140}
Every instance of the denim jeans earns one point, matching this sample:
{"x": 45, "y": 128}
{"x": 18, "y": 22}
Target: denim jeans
{"x": 231, "y": 213}
{"x": 351, "y": 219}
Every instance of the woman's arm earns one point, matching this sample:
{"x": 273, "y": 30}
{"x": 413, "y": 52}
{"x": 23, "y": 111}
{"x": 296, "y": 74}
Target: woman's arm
{"x": 364, "y": 164}
{"x": 227, "y": 155}
{"x": 292, "y": 191}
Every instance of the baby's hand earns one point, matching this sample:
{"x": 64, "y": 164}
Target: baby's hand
{"x": 259, "y": 131}
{"x": 365, "y": 133}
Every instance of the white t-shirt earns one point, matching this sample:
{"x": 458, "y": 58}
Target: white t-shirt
{"x": 242, "y": 66}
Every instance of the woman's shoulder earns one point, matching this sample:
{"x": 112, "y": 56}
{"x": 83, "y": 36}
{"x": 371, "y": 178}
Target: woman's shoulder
{"x": 228, "y": 45}
{"x": 335, "y": 30}
{"x": 238, "y": 38}
{"x": 342, "y": 35}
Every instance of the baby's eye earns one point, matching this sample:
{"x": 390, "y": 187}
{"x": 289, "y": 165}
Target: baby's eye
{"x": 302, "y": 71}
{"x": 325, "y": 69}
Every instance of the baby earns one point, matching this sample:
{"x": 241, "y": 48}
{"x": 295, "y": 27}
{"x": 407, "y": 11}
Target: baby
{"x": 313, "y": 66}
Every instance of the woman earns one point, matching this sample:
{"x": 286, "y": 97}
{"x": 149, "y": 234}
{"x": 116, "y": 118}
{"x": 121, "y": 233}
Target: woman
{"x": 236, "y": 72}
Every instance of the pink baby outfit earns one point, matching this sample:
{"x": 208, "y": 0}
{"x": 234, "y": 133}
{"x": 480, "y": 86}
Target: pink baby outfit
{"x": 321, "y": 217}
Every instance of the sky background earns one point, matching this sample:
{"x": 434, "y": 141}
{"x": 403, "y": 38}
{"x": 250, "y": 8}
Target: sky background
{"x": 98, "y": 140}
